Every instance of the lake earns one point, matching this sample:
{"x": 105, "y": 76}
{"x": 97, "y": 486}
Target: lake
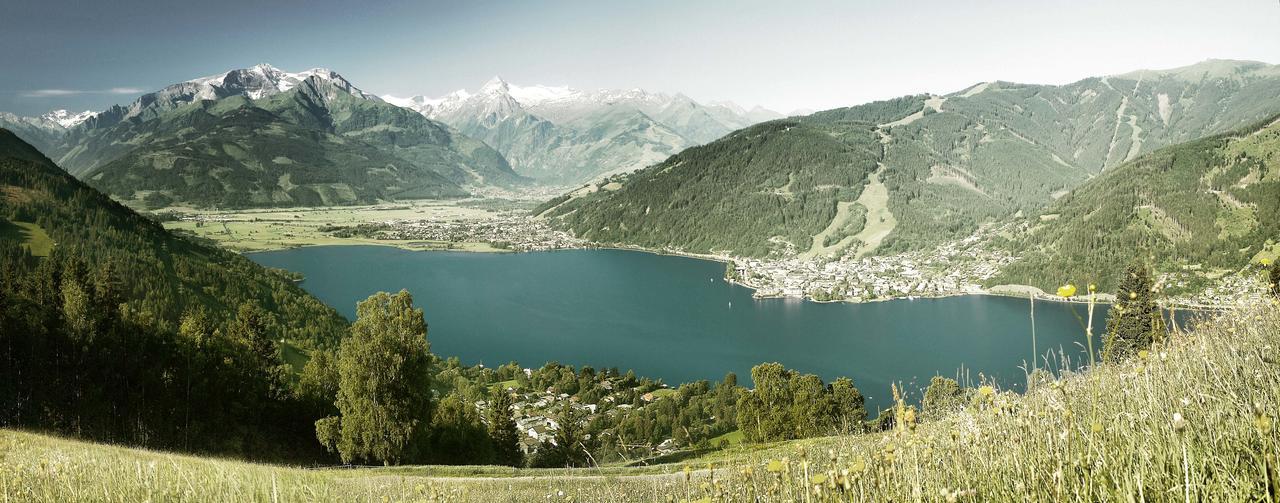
{"x": 675, "y": 318}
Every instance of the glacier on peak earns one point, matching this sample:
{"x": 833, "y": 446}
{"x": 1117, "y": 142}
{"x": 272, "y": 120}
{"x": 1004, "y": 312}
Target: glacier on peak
{"x": 67, "y": 119}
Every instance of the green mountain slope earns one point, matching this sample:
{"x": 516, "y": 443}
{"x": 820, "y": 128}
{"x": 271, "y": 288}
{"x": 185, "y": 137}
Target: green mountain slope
{"x": 262, "y": 137}
{"x": 163, "y": 275}
{"x": 1205, "y": 205}
{"x": 123, "y": 332}
{"x": 312, "y": 145}
{"x": 950, "y": 163}
{"x": 778, "y": 179}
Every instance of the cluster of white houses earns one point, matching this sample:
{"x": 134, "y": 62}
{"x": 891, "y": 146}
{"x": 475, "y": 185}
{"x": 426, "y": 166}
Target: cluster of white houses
{"x": 536, "y": 414}
{"x": 514, "y": 230}
{"x": 952, "y": 268}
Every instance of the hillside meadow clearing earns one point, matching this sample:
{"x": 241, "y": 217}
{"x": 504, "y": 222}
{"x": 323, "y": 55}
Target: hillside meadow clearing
{"x": 1192, "y": 419}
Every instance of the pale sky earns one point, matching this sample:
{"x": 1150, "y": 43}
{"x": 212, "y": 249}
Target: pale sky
{"x": 783, "y": 55}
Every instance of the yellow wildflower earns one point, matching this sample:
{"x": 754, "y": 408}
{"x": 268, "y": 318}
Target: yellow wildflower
{"x": 1067, "y": 290}
{"x": 859, "y": 466}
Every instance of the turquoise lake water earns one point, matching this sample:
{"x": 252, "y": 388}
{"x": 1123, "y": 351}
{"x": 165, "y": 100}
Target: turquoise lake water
{"x": 675, "y": 318}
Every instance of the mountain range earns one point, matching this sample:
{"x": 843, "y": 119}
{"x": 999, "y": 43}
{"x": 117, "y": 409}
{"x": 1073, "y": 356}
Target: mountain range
{"x": 563, "y": 135}
{"x": 264, "y": 137}
{"x": 910, "y": 173}
{"x": 261, "y": 136}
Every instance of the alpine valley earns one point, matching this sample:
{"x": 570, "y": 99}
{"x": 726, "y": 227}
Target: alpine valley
{"x": 565, "y": 135}
{"x": 206, "y": 270}
{"x": 1073, "y": 175}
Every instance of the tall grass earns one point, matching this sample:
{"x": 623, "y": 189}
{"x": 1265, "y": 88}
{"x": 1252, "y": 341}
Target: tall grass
{"x": 1193, "y": 419}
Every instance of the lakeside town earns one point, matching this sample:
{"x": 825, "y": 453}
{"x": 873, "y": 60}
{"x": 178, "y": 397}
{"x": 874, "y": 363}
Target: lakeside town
{"x": 959, "y": 267}
{"x": 506, "y": 230}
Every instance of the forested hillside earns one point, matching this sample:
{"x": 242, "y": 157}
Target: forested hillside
{"x": 1202, "y": 206}
{"x": 779, "y": 178}
{"x": 950, "y": 163}
{"x": 122, "y": 331}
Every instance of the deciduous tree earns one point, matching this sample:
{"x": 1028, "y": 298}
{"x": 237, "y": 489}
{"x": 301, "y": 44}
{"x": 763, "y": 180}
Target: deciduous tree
{"x": 384, "y": 382}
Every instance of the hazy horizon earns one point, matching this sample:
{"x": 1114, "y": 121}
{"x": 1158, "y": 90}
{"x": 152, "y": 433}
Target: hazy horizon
{"x": 814, "y": 56}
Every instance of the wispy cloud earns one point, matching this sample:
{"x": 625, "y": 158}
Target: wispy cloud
{"x": 51, "y": 93}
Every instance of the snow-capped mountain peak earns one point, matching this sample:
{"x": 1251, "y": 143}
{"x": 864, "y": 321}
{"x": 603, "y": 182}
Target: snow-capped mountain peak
{"x": 731, "y": 106}
{"x": 495, "y": 86}
{"x": 417, "y": 103}
{"x": 536, "y": 95}
{"x": 67, "y": 119}
{"x": 265, "y": 80}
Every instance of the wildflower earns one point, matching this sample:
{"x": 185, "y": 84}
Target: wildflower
{"x": 1066, "y": 290}
{"x": 774, "y": 466}
{"x": 1143, "y": 354}
{"x": 986, "y": 391}
{"x": 859, "y": 466}
{"x": 1092, "y": 287}
{"x": 1179, "y": 424}
{"x": 1133, "y": 295}
{"x": 1263, "y": 423}
{"x": 1265, "y": 261}
{"x": 1096, "y": 427}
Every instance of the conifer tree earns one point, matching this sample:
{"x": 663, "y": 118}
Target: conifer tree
{"x": 503, "y": 431}
{"x": 1134, "y": 321}
{"x": 569, "y": 447}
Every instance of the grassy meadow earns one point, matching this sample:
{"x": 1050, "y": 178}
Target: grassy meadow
{"x": 275, "y": 229}
{"x": 29, "y": 235}
{"x": 1192, "y": 419}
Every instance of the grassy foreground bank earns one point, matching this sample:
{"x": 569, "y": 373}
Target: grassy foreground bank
{"x": 1194, "y": 419}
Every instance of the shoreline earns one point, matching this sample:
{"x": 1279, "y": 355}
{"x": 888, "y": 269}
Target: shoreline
{"x": 1101, "y": 299}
